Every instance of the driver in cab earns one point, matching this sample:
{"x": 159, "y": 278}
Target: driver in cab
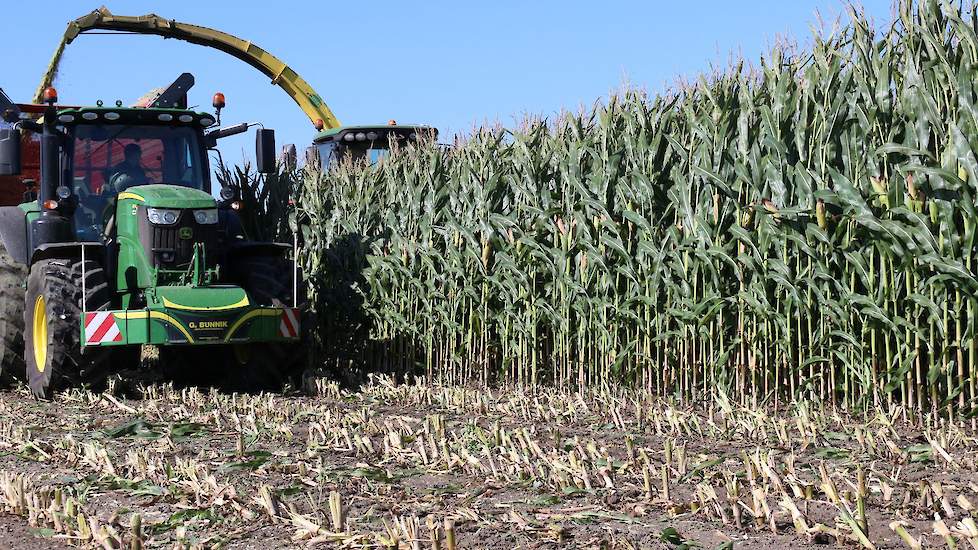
{"x": 129, "y": 172}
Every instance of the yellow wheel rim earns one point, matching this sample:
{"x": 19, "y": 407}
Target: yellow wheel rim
{"x": 40, "y": 341}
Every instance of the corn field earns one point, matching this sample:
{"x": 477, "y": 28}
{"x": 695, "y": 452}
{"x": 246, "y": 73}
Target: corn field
{"x": 799, "y": 228}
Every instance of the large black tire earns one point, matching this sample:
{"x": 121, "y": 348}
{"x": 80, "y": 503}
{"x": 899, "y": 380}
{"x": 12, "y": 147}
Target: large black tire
{"x": 263, "y": 367}
{"x": 268, "y": 366}
{"x": 267, "y": 279}
{"x": 12, "y": 276}
{"x": 52, "y": 324}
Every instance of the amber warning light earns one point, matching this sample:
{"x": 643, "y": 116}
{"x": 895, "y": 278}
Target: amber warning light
{"x": 50, "y": 95}
{"x": 218, "y": 101}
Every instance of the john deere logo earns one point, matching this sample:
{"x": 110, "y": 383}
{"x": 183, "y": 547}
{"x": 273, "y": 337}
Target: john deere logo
{"x": 186, "y": 233}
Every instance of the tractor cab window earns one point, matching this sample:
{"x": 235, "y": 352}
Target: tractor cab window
{"x": 108, "y": 159}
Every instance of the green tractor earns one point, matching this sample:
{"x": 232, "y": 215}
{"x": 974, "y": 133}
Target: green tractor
{"x": 121, "y": 245}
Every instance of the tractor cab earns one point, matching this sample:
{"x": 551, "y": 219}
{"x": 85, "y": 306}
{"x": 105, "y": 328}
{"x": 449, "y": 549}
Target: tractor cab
{"x": 368, "y": 144}
{"x": 110, "y": 151}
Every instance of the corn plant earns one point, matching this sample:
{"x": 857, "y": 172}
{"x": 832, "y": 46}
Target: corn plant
{"x": 266, "y": 200}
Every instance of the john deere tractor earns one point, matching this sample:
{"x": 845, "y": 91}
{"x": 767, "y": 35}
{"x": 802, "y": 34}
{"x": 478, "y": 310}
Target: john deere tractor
{"x": 119, "y": 244}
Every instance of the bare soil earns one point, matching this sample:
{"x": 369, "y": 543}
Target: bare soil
{"x": 16, "y": 535}
{"x": 410, "y": 466}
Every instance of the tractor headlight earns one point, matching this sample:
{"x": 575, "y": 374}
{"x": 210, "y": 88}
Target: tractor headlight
{"x": 163, "y": 216}
{"x": 206, "y": 217}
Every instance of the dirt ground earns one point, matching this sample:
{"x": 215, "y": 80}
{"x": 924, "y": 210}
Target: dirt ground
{"x": 428, "y": 466}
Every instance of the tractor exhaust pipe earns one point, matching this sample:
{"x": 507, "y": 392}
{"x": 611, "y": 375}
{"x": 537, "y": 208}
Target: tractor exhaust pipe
{"x": 53, "y": 225}
{"x": 50, "y": 158}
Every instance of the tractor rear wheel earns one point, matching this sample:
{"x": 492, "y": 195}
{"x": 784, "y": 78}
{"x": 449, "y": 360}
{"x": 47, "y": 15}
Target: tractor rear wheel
{"x": 52, "y": 320}
{"x": 12, "y": 275}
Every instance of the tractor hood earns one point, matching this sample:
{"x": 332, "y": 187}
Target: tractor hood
{"x": 169, "y": 196}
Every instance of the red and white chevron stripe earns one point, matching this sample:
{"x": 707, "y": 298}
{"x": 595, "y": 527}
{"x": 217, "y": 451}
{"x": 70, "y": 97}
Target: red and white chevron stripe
{"x": 289, "y": 326}
{"x": 100, "y": 327}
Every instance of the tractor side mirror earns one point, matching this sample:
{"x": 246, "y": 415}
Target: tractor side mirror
{"x": 265, "y": 150}
{"x": 9, "y": 152}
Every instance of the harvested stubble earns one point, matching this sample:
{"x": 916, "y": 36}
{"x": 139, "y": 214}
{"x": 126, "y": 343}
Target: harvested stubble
{"x": 806, "y": 228}
{"x": 423, "y": 465}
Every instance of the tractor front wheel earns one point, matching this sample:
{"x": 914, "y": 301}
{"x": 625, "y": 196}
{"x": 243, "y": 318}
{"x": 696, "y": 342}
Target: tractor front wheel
{"x": 260, "y": 367}
{"x": 52, "y": 325}
{"x": 269, "y": 366}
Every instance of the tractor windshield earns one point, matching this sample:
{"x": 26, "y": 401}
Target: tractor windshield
{"x": 108, "y": 159}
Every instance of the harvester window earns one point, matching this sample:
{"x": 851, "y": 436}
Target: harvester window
{"x": 326, "y": 152}
{"x": 370, "y": 153}
{"x": 365, "y": 153}
{"x": 376, "y": 154}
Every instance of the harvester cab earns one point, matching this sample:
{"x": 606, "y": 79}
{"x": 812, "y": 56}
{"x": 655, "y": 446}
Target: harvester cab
{"x": 125, "y": 245}
{"x": 367, "y": 144}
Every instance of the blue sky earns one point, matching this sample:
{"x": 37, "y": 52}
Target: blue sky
{"x": 454, "y": 65}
